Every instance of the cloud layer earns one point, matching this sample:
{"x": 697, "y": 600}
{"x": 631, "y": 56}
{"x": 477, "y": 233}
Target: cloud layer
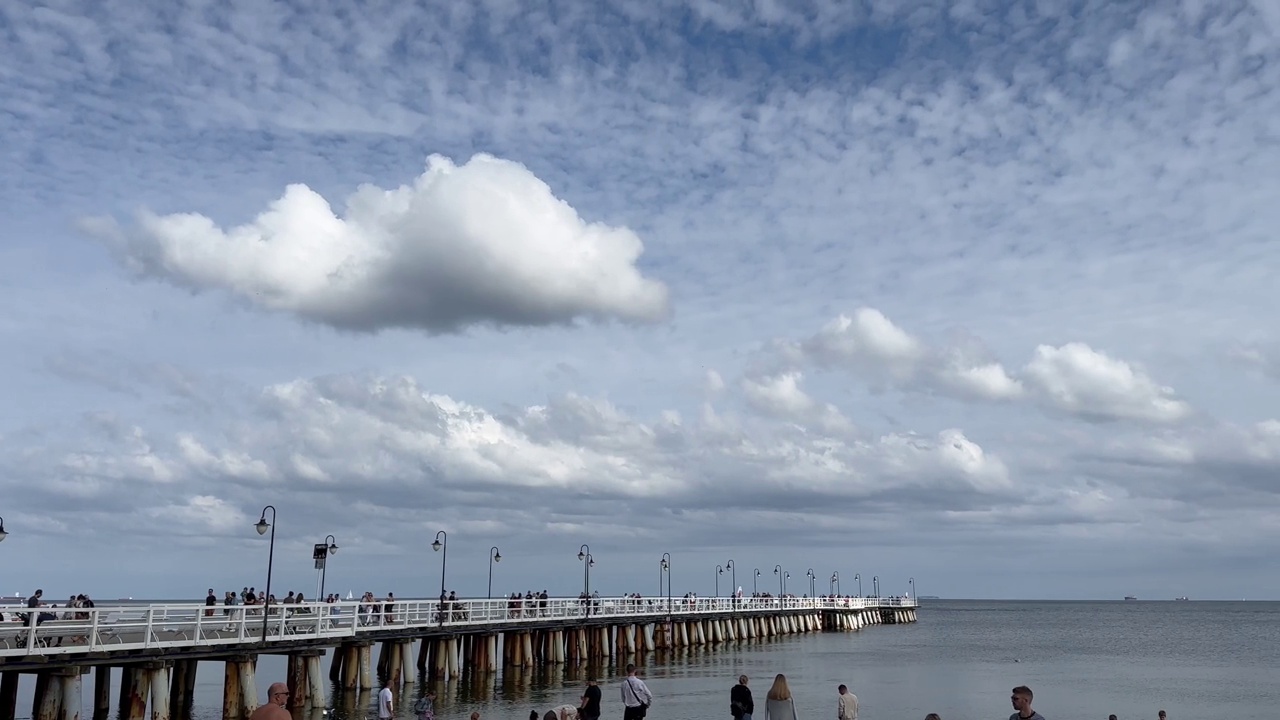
{"x": 484, "y": 243}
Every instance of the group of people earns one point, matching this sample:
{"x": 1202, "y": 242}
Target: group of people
{"x": 780, "y": 705}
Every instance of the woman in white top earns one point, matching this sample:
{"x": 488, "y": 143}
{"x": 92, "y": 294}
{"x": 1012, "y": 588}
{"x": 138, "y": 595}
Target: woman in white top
{"x": 778, "y": 704}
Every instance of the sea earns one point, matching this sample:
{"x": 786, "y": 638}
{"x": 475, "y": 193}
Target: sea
{"x": 1083, "y": 660}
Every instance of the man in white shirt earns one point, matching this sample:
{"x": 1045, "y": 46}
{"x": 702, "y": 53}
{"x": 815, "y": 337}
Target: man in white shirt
{"x": 635, "y": 695}
{"x": 386, "y": 703}
{"x": 847, "y": 704}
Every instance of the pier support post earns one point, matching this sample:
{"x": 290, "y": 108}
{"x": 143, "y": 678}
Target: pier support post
{"x": 249, "y": 686}
{"x": 366, "y": 667}
{"x": 159, "y": 693}
{"x": 48, "y": 699}
{"x": 101, "y": 693}
{"x": 231, "y": 708}
{"x": 316, "y": 682}
{"x": 139, "y": 689}
{"x": 70, "y": 694}
{"x": 407, "y": 665}
{"x": 8, "y": 695}
{"x": 296, "y": 679}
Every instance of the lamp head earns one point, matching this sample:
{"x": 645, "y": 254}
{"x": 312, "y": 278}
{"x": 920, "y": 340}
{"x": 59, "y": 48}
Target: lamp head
{"x": 436, "y": 545}
{"x": 333, "y": 548}
{"x": 262, "y": 525}
{"x": 3, "y": 534}
{"x": 581, "y": 555}
{"x": 497, "y": 556}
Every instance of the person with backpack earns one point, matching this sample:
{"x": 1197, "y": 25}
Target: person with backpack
{"x": 425, "y": 707}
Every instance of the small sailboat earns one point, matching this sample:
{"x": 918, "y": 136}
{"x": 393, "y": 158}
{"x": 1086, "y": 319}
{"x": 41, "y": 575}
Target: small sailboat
{"x": 351, "y": 595}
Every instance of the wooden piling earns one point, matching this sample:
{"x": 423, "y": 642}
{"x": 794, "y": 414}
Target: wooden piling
{"x": 366, "y": 666}
{"x": 248, "y": 686}
{"x": 139, "y": 689}
{"x": 315, "y": 682}
{"x": 48, "y": 699}
{"x": 350, "y": 666}
{"x": 8, "y": 695}
{"x": 335, "y": 663}
{"x": 159, "y": 693}
{"x": 296, "y": 679}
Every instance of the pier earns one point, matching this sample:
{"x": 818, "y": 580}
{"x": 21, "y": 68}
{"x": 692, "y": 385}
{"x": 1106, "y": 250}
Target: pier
{"x": 157, "y": 648}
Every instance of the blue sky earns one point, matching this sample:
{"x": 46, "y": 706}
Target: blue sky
{"x": 931, "y": 290}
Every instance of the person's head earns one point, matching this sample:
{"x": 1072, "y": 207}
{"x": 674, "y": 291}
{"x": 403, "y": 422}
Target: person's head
{"x": 742, "y": 679}
{"x": 934, "y": 716}
{"x": 591, "y": 682}
{"x": 533, "y": 715}
{"x": 1161, "y": 713}
{"x": 843, "y": 689}
{"x": 1111, "y": 717}
{"x": 551, "y": 715}
{"x": 1021, "y": 698}
{"x": 631, "y": 668}
{"x": 780, "y": 691}
{"x": 278, "y": 694}
{"x": 475, "y": 715}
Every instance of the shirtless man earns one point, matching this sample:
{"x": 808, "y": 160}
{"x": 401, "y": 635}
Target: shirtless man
{"x": 277, "y": 698}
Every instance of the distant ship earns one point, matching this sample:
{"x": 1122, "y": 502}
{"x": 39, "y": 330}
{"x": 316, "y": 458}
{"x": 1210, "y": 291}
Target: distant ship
{"x": 1130, "y": 597}
{"x": 1182, "y": 599}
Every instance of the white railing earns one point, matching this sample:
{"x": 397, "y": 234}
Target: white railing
{"x": 191, "y": 625}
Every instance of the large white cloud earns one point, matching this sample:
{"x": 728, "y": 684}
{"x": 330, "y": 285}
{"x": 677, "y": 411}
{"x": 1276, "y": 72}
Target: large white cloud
{"x": 482, "y": 243}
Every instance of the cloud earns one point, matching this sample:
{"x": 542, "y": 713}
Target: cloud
{"x": 1077, "y": 379}
{"x": 482, "y": 243}
{"x": 1073, "y": 378}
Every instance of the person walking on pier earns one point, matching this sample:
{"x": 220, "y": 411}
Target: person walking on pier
{"x": 847, "y": 704}
{"x": 635, "y": 695}
{"x": 741, "y": 705}
{"x": 1021, "y": 700}
{"x": 778, "y": 704}
{"x": 277, "y": 698}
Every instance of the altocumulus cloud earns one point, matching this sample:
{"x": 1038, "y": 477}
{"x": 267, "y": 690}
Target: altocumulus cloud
{"x": 482, "y": 243}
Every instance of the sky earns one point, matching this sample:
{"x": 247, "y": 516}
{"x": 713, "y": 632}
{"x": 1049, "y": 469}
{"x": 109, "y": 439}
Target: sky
{"x": 967, "y": 293}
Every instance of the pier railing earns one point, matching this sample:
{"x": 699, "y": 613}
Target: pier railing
{"x": 192, "y": 625}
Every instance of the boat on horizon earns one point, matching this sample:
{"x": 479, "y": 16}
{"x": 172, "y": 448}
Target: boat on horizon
{"x": 1182, "y": 599}
{"x": 1130, "y": 597}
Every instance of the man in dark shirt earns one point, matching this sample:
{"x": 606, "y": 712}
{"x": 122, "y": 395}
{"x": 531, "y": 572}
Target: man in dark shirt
{"x": 33, "y": 603}
{"x": 589, "y": 708}
{"x": 740, "y": 702}
{"x": 1021, "y": 699}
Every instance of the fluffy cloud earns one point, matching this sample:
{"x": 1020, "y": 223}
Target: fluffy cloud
{"x": 1073, "y": 378}
{"x": 483, "y": 243}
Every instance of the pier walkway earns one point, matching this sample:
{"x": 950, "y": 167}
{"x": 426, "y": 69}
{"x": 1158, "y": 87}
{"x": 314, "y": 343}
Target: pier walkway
{"x": 124, "y": 630}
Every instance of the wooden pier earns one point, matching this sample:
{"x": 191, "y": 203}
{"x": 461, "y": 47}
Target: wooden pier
{"x": 157, "y": 648}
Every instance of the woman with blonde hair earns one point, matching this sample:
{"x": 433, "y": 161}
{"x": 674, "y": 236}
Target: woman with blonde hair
{"x": 779, "y": 704}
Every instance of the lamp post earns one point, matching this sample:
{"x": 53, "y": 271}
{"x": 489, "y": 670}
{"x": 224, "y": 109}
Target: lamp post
{"x": 858, "y": 577}
{"x": 322, "y": 552}
{"x": 719, "y": 572}
{"x": 913, "y": 587}
{"x": 875, "y": 586}
{"x": 584, "y": 554}
{"x": 262, "y": 527}
{"x": 3, "y": 534}
{"x": 754, "y": 589}
{"x": 733, "y": 591}
{"x": 835, "y": 583}
{"x": 812, "y": 576}
{"x": 782, "y": 586}
{"x": 665, "y": 567}
{"x": 494, "y": 556}
{"x": 441, "y": 545}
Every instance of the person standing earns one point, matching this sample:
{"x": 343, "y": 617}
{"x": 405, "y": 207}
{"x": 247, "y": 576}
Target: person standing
{"x": 778, "y": 704}
{"x": 386, "y": 702}
{"x": 635, "y": 695}
{"x": 277, "y": 698}
{"x": 589, "y": 706}
{"x": 847, "y": 704}
{"x": 740, "y": 702}
{"x": 1021, "y": 700}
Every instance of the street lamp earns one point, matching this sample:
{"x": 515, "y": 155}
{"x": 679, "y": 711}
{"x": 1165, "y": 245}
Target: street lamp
{"x": 665, "y": 567}
{"x": 811, "y": 574}
{"x": 321, "y": 555}
{"x": 858, "y": 577}
{"x": 719, "y": 572}
{"x": 494, "y": 556}
{"x": 261, "y": 527}
{"x": 3, "y": 534}
{"x": 733, "y": 592}
{"x": 875, "y": 586}
{"x": 782, "y": 586}
{"x": 835, "y": 583}
{"x": 584, "y": 554}
{"x": 755, "y": 590}
{"x": 913, "y": 587}
{"x": 441, "y": 545}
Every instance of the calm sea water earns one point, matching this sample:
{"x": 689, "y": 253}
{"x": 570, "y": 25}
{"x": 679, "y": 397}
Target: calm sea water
{"x": 1083, "y": 660}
